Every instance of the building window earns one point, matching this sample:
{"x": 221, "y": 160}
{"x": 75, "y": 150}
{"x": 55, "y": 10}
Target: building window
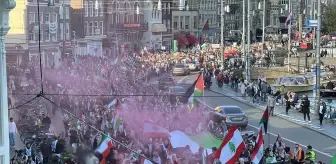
{"x": 86, "y": 8}
{"x": 53, "y": 37}
{"x": 96, "y": 9}
{"x": 168, "y": 25}
{"x": 86, "y": 28}
{"x": 46, "y": 18}
{"x": 101, "y": 13}
{"x": 195, "y": 22}
{"x": 31, "y": 36}
{"x": 91, "y": 28}
{"x": 67, "y": 31}
{"x": 96, "y": 28}
{"x": 175, "y": 25}
{"x": 91, "y": 8}
{"x": 31, "y": 18}
{"x": 181, "y": 25}
{"x": 101, "y": 25}
{"x": 67, "y": 12}
{"x": 168, "y": 8}
{"x": 54, "y": 18}
{"x": 61, "y": 31}
{"x": 46, "y": 36}
{"x": 41, "y": 18}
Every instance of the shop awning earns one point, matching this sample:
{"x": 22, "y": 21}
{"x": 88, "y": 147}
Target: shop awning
{"x": 159, "y": 27}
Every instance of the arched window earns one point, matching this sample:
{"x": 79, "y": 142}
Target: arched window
{"x": 125, "y": 18}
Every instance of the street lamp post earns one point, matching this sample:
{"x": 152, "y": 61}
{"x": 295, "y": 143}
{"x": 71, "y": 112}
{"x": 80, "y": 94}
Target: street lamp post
{"x": 289, "y": 33}
{"x": 223, "y": 10}
{"x": 263, "y": 8}
{"x": 318, "y": 54}
{"x": 222, "y": 33}
{"x": 248, "y": 62}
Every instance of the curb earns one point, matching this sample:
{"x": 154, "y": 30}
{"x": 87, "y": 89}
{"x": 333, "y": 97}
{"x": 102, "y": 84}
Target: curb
{"x": 279, "y": 115}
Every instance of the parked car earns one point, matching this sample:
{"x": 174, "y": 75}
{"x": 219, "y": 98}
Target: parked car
{"x": 176, "y": 93}
{"x": 232, "y": 115}
{"x": 194, "y": 66}
{"x": 165, "y": 82}
{"x": 181, "y": 69}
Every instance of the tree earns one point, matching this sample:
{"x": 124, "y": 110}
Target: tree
{"x": 329, "y": 19}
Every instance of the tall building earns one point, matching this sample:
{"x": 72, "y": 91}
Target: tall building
{"x": 208, "y": 20}
{"x": 125, "y": 25}
{"x": 185, "y": 19}
{"x": 153, "y": 38}
{"x": 167, "y": 37}
{"x": 16, "y": 40}
{"x": 48, "y": 18}
{"x": 89, "y": 27}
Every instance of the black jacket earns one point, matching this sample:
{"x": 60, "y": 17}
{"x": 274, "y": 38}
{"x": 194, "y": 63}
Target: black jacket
{"x": 305, "y": 104}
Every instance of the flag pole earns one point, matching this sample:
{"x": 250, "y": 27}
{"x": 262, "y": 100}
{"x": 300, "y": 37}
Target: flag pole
{"x": 203, "y": 91}
{"x": 268, "y": 133}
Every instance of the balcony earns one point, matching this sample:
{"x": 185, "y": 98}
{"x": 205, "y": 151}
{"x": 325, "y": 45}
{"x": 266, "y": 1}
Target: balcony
{"x": 143, "y": 27}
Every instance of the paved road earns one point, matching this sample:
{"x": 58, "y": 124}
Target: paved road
{"x": 292, "y": 133}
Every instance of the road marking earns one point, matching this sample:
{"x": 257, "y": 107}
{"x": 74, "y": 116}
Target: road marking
{"x": 180, "y": 81}
{"x": 286, "y": 139}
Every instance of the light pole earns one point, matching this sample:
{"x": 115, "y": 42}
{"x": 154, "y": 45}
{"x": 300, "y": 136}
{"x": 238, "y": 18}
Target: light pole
{"x": 248, "y": 62}
{"x": 263, "y": 8}
{"x": 318, "y": 54}
{"x": 289, "y": 33}
{"x": 243, "y": 43}
{"x": 223, "y": 9}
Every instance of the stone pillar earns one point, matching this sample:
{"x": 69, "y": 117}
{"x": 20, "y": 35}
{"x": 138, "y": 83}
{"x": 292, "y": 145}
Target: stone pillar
{"x": 5, "y": 7}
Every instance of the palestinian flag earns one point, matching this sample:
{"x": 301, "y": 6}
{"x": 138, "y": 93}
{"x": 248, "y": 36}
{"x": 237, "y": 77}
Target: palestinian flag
{"x": 190, "y": 91}
{"x": 264, "y": 120}
{"x": 104, "y": 146}
{"x": 199, "y": 88}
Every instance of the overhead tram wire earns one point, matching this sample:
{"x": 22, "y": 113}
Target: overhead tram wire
{"x": 23, "y": 104}
{"x": 99, "y": 131}
{"x": 123, "y": 95}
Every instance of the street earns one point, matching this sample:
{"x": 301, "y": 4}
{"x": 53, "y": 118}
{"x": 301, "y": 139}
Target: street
{"x": 291, "y": 133}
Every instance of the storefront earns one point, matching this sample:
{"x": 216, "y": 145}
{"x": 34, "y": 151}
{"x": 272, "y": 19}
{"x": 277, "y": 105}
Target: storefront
{"x": 51, "y": 56}
{"x": 16, "y": 57}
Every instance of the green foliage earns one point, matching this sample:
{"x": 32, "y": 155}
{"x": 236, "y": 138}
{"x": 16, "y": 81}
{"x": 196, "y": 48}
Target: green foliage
{"x": 329, "y": 19}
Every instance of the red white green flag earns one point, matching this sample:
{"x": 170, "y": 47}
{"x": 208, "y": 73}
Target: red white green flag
{"x": 257, "y": 153}
{"x": 199, "y": 88}
{"x": 105, "y": 145}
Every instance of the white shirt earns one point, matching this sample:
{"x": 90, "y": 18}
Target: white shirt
{"x": 12, "y": 127}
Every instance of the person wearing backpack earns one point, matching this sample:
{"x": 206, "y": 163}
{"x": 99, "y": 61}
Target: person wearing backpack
{"x": 299, "y": 155}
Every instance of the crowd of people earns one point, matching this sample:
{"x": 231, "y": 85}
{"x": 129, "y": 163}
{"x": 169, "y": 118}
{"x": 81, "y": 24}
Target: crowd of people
{"x": 111, "y": 96}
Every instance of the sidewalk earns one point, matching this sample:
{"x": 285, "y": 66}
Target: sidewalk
{"x": 328, "y": 129}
